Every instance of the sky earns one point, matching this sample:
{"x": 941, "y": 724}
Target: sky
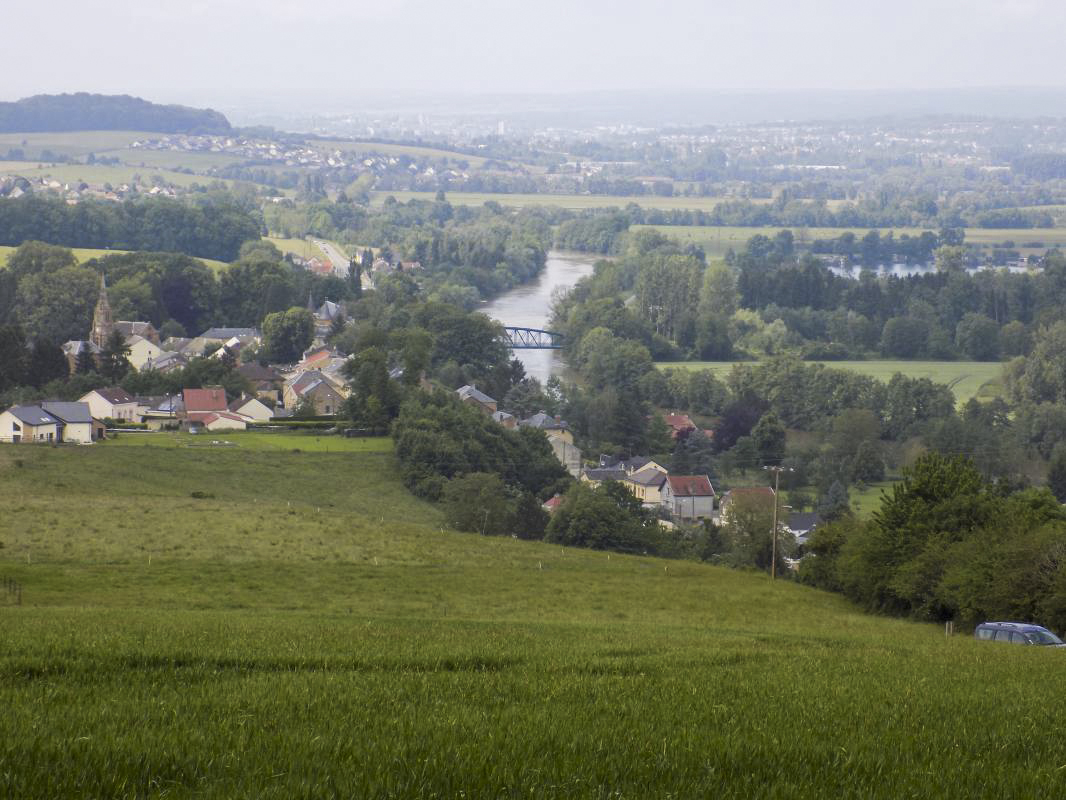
{"x": 168, "y": 50}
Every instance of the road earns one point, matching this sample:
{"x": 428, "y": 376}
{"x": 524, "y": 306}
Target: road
{"x": 338, "y": 259}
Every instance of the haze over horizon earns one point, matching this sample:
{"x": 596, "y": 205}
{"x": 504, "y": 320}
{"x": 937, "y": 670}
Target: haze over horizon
{"x": 166, "y": 50}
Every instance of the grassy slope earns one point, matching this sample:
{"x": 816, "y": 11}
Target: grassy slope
{"x": 967, "y": 378}
{"x": 311, "y": 631}
{"x": 83, "y": 254}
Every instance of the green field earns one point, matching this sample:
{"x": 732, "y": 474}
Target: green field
{"x": 967, "y": 379}
{"x": 301, "y": 247}
{"x": 250, "y": 621}
{"x": 717, "y": 239}
{"x": 368, "y": 148}
{"x": 83, "y": 254}
{"x": 576, "y": 202}
{"x": 72, "y": 143}
{"x": 99, "y": 174}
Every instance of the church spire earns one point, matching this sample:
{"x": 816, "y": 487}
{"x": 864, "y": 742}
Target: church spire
{"x": 103, "y": 324}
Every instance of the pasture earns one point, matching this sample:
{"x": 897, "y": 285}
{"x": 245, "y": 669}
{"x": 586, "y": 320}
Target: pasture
{"x": 83, "y": 254}
{"x": 717, "y": 239}
{"x": 967, "y": 379}
{"x": 251, "y": 621}
{"x": 99, "y": 174}
{"x": 576, "y": 202}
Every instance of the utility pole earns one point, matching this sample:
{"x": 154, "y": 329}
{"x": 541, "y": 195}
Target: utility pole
{"x": 777, "y": 470}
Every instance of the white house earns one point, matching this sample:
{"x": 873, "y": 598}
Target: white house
{"x": 77, "y": 424}
{"x": 224, "y": 421}
{"x": 111, "y": 403}
{"x": 688, "y": 496}
{"x": 253, "y": 408}
{"x": 23, "y": 424}
{"x": 143, "y": 352}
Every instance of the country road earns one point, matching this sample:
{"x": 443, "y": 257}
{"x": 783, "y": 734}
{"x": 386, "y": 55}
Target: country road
{"x": 338, "y": 259}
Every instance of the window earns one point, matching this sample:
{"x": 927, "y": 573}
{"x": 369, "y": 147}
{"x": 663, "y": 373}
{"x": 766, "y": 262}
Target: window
{"x": 1018, "y": 638}
{"x": 985, "y": 633}
{"x": 1002, "y": 636}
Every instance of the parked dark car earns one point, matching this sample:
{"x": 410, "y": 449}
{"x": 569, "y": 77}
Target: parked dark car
{"x": 1017, "y": 633}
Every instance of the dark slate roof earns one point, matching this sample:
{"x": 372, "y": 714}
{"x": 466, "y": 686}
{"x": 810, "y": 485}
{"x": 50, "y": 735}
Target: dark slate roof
{"x": 33, "y": 415}
{"x": 115, "y": 395}
{"x": 605, "y": 474}
{"x": 803, "y": 521}
{"x": 228, "y": 333}
{"x": 648, "y": 477}
{"x": 254, "y": 371}
{"x": 545, "y": 422}
{"x": 474, "y": 393}
{"x": 68, "y": 412}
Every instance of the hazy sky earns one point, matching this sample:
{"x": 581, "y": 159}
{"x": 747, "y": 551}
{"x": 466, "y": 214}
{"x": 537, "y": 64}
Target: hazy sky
{"x": 165, "y": 48}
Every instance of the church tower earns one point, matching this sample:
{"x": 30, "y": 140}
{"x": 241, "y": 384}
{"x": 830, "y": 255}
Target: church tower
{"x": 103, "y": 325}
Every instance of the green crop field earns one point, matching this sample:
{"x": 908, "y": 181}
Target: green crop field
{"x": 98, "y": 174}
{"x": 576, "y": 202}
{"x": 72, "y": 143}
{"x": 83, "y": 254}
{"x": 380, "y": 148}
{"x": 251, "y": 621}
{"x": 717, "y": 239}
{"x": 967, "y": 379}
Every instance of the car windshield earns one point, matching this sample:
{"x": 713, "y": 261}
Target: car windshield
{"x": 1044, "y": 637}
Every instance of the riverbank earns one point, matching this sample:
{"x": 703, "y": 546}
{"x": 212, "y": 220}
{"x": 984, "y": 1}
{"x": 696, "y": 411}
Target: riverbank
{"x": 529, "y": 306}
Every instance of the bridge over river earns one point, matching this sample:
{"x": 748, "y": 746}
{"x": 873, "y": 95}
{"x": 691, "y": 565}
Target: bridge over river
{"x": 525, "y": 312}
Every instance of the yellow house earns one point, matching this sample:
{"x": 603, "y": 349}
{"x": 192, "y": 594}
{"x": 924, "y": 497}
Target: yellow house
{"x": 554, "y": 427}
{"x": 647, "y": 484}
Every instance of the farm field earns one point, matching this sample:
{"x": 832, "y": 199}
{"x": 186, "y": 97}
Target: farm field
{"x": 396, "y": 150}
{"x": 100, "y": 173}
{"x": 716, "y": 240}
{"x": 571, "y": 201}
{"x": 966, "y": 378}
{"x": 255, "y": 622}
{"x": 83, "y": 254}
{"x": 72, "y": 143}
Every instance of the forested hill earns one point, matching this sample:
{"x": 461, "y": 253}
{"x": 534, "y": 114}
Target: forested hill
{"x": 98, "y": 112}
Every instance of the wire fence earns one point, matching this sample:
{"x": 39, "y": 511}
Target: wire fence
{"x": 11, "y": 591}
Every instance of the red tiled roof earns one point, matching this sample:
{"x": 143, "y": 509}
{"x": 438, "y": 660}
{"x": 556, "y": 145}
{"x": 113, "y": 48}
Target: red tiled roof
{"x": 204, "y": 399}
{"x": 553, "y": 503}
{"x": 690, "y": 486}
{"x": 680, "y": 422}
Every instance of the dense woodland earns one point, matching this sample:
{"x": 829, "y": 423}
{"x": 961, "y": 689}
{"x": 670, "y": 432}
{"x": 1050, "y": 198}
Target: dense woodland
{"x": 97, "y": 112}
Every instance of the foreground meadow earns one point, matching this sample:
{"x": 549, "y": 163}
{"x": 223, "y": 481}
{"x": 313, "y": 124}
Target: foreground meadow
{"x": 274, "y": 619}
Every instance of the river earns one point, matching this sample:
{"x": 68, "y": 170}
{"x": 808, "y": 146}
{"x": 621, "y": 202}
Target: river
{"x": 529, "y": 306}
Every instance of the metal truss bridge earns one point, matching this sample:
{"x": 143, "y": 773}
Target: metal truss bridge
{"x": 533, "y": 339}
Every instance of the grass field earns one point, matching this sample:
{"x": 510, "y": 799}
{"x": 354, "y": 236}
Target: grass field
{"x": 572, "y": 201}
{"x": 967, "y": 378}
{"x": 300, "y": 247}
{"x": 396, "y": 150}
{"x": 86, "y": 253}
{"x": 251, "y": 621}
{"x": 98, "y": 174}
{"x": 716, "y": 240}
{"x": 72, "y": 143}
